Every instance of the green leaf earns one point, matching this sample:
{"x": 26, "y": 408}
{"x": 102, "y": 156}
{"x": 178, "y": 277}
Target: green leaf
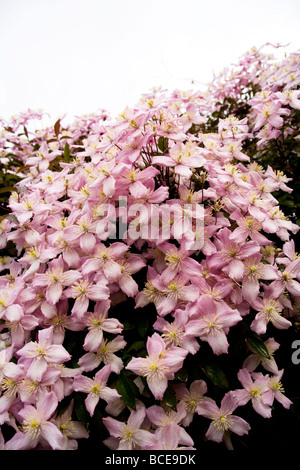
{"x": 258, "y": 346}
{"x": 128, "y": 390}
{"x": 215, "y": 374}
{"x": 26, "y": 132}
{"x": 80, "y": 410}
{"x": 67, "y": 153}
{"x": 163, "y": 144}
{"x": 169, "y": 398}
{"x": 182, "y": 375}
{"x": 136, "y": 346}
{"x": 8, "y": 189}
{"x": 143, "y": 327}
{"x": 57, "y": 127}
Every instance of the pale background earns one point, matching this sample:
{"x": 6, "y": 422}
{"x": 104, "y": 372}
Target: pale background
{"x": 78, "y": 56}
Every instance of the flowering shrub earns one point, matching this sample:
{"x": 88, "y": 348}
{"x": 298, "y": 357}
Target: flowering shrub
{"x": 149, "y": 270}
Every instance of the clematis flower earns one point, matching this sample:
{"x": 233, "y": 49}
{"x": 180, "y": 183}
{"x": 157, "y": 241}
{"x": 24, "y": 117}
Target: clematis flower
{"x": 70, "y": 429}
{"x": 230, "y": 255}
{"x": 106, "y": 259}
{"x": 256, "y": 388}
{"x": 167, "y": 438}
{"x": 130, "y": 435}
{"x": 176, "y": 291}
{"x": 159, "y": 366}
{"x": 10, "y": 309}
{"x": 98, "y": 322}
{"x": 286, "y": 280}
{"x": 10, "y": 385}
{"x": 248, "y": 226}
{"x": 277, "y": 391}
{"x": 253, "y": 272}
{"x": 55, "y": 278}
{"x": 105, "y": 354}
{"x": 36, "y": 355}
{"x": 20, "y": 330}
{"x": 223, "y": 419}
{"x": 178, "y": 260}
{"x": 129, "y": 266}
{"x": 160, "y": 418}
{"x": 31, "y": 391}
{"x": 36, "y": 426}
{"x": 83, "y": 291}
{"x": 174, "y": 333}
{"x": 82, "y": 232}
{"x": 191, "y": 398}
{"x": 182, "y": 158}
{"x": 212, "y": 323}
{"x": 268, "y": 363}
{"x": 96, "y": 388}
{"x": 29, "y": 205}
{"x": 270, "y": 112}
{"x": 269, "y": 311}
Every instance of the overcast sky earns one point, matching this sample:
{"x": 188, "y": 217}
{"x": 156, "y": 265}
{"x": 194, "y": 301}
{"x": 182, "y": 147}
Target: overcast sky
{"x": 77, "y": 56}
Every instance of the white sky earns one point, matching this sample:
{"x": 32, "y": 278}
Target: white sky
{"x": 77, "y": 56}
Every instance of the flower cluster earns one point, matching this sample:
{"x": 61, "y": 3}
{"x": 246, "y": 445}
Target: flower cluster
{"x": 138, "y": 248}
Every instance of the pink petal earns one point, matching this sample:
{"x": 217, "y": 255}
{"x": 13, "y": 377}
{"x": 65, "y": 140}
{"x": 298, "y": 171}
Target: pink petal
{"x": 57, "y": 354}
{"x": 93, "y": 340}
{"x": 158, "y": 386}
{"x": 236, "y": 269}
{"x": 14, "y": 312}
{"x": 53, "y": 293}
{"x": 250, "y": 289}
{"x": 70, "y": 277}
{"x": 87, "y": 242}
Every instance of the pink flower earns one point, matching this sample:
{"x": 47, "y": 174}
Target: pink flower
{"x": 105, "y": 259}
{"x": 182, "y": 157}
{"x": 70, "y": 429}
{"x": 98, "y": 322}
{"x": 248, "y": 226}
{"x": 159, "y": 366}
{"x": 83, "y": 291}
{"x": 96, "y": 388}
{"x": 212, "y": 323}
{"x": 177, "y": 290}
{"x": 105, "y": 354}
{"x": 36, "y": 356}
{"x": 36, "y": 426}
{"x": 43, "y": 157}
{"x": 174, "y": 333}
{"x": 10, "y": 309}
{"x": 11, "y": 377}
{"x": 130, "y": 435}
{"x": 230, "y": 255}
{"x": 167, "y": 438}
{"x": 20, "y": 330}
{"x": 177, "y": 260}
{"x": 254, "y": 270}
{"x": 29, "y": 205}
{"x": 277, "y": 391}
{"x": 270, "y": 112}
{"x": 255, "y": 359}
{"x": 82, "y": 232}
{"x": 129, "y": 266}
{"x": 191, "y": 398}
{"x": 160, "y": 418}
{"x": 286, "y": 280}
{"x": 269, "y": 311}
{"x": 223, "y": 421}
{"x": 55, "y": 278}
{"x": 256, "y": 388}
